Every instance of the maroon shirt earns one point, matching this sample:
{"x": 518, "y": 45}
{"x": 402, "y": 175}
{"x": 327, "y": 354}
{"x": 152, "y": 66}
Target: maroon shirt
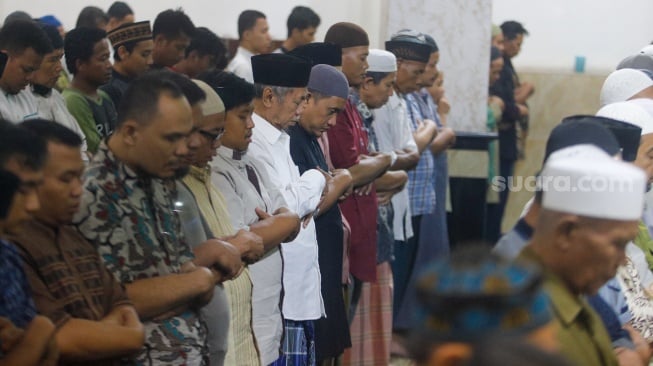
{"x": 347, "y": 141}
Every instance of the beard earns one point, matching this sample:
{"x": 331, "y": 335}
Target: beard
{"x": 181, "y": 172}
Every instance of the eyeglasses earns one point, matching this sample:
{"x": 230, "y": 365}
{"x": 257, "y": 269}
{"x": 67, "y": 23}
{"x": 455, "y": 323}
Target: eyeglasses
{"x": 212, "y": 136}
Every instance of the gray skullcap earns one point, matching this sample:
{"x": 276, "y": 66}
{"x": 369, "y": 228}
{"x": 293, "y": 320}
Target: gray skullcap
{"x": 329, "y": 81}
{"x": 212, "y": 104}
{"x": 639, "y": 61}
{"x": 409, "y": 44}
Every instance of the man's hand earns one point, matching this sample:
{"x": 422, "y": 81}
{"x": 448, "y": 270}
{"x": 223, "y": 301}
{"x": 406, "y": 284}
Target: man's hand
{"x": 248, "y": 244}
{"x": 523, "y": 110}
{"x": 228, "y": 262}
{"x": 10, "y": 335}
{"x": 384, "y": 198}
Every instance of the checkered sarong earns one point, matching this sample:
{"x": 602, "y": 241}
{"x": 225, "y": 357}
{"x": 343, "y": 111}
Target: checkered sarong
{"x": 298, "y": 344}
{"x": 371, "y": 328}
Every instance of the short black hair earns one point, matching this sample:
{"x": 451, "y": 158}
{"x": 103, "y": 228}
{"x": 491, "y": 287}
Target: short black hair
{"x": 376, "y": 76}
{"x": 22, "y": 144}
{"x": 173, "y": 24}
{"x": 232, "y": 89}
{"x": 205, "y": 42}
{"x": 53, "y": 35}
{"x": 90, "y": 16}
{"x": 9, "y": 184}
{"x": 79, "y": 44}
{"x": 52, "y": 131}
{"x": 119, "y": 10}
{"x": 129, "y": 46}
{"x": 511, "y": 29}
{"x": 193, "y": 93}
{"x": 19, "y": 35}
{"x": 141, "y": 99}
{"x": 302, "y": 17}
{"x": 247, "y": 20}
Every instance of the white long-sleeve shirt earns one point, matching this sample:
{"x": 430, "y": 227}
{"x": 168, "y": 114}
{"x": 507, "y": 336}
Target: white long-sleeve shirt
{"x": 270, "y": 154}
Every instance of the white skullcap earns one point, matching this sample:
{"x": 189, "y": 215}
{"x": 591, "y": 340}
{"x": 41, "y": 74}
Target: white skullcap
{"x": 581, "y": 150}
{"x": 593, "y": 185}
{"x": 647, "y": 50}
{"x": 623, "y": 84}
{"x": 381, "y": 61}
{"x": 633, "y": 111}
{"x": 212, "y": 104}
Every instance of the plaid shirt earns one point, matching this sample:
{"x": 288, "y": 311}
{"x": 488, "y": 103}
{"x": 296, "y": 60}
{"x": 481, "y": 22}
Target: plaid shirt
{"x": 420, "y": 180}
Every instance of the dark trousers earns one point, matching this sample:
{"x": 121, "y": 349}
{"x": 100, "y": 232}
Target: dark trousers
{"x": 496, "y": 211}
{"x": 403, "y": 264}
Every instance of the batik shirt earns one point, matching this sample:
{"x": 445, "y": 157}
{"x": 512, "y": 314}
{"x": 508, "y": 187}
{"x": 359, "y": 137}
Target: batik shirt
{"x": 133, "y": 224}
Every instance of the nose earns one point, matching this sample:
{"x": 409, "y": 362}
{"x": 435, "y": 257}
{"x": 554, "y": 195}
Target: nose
{"x": 332, "y": 121}
{"x": 182, "y": 148}
{"x": 194, "y": 141}
{"x": 76, "y": 189}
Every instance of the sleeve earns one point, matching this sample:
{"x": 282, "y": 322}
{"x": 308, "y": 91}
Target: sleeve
{"x": 342, "y": 142}
{"x": 45, "y": 302}
{"x": 80, "y": 110}
{"x": 190, "y": 217}
{"x": 103, "y": 224}
{"x": 407, "y": 139}
{"x": 117, "y": 294}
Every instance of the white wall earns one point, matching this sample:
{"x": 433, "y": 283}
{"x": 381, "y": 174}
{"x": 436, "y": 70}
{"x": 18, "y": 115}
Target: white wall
{"x": 604, "y": 31}
{"x": 221, "y": 16}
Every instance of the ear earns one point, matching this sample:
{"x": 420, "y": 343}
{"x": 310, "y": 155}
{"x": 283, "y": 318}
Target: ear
{"x": 79, "y": 64}
{"x": 193, "y": 55}
{"x": 129, "y": 132}
{"x": 565, "y": 231}
{"x": 122, "y": 52}
{"x": 160, "y": 40}
{"x": 450, "y": 354}
{"x": 268, "y": 97}
{"x": 246, "y": 34}
{"x": 367, "y": 82}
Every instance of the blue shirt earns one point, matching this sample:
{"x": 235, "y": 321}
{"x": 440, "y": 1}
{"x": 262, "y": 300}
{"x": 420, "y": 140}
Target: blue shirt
{"x": 17, "y": 304}
{"x": 420, "y": 180}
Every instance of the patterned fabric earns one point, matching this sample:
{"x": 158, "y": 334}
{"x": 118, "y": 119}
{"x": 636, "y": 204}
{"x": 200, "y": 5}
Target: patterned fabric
{"x": 67, "y": 277}
{"x": 298, "y": 344}
{"x": 17, "y": 304}
{"x": 371, "y": 328}
{"x": 420, "y": 179}
{"x": 639, "y": 302}
{"x": 132, "y": 223}
{"x": 645, "y": 243}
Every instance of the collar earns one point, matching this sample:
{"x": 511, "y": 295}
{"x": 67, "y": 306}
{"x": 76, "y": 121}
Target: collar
{"x": 566, "y": 306}
{"x": 201, "y": 174}
{"x": 116, "y": 75}
{"x": 41, "y": 90}
{"x": 111, "y": 161}
{"x": 237, "y": 157}
{"x": 266, "y": 130}
{"x": 394, "y": 101}
{"x": 244, "y": 52}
